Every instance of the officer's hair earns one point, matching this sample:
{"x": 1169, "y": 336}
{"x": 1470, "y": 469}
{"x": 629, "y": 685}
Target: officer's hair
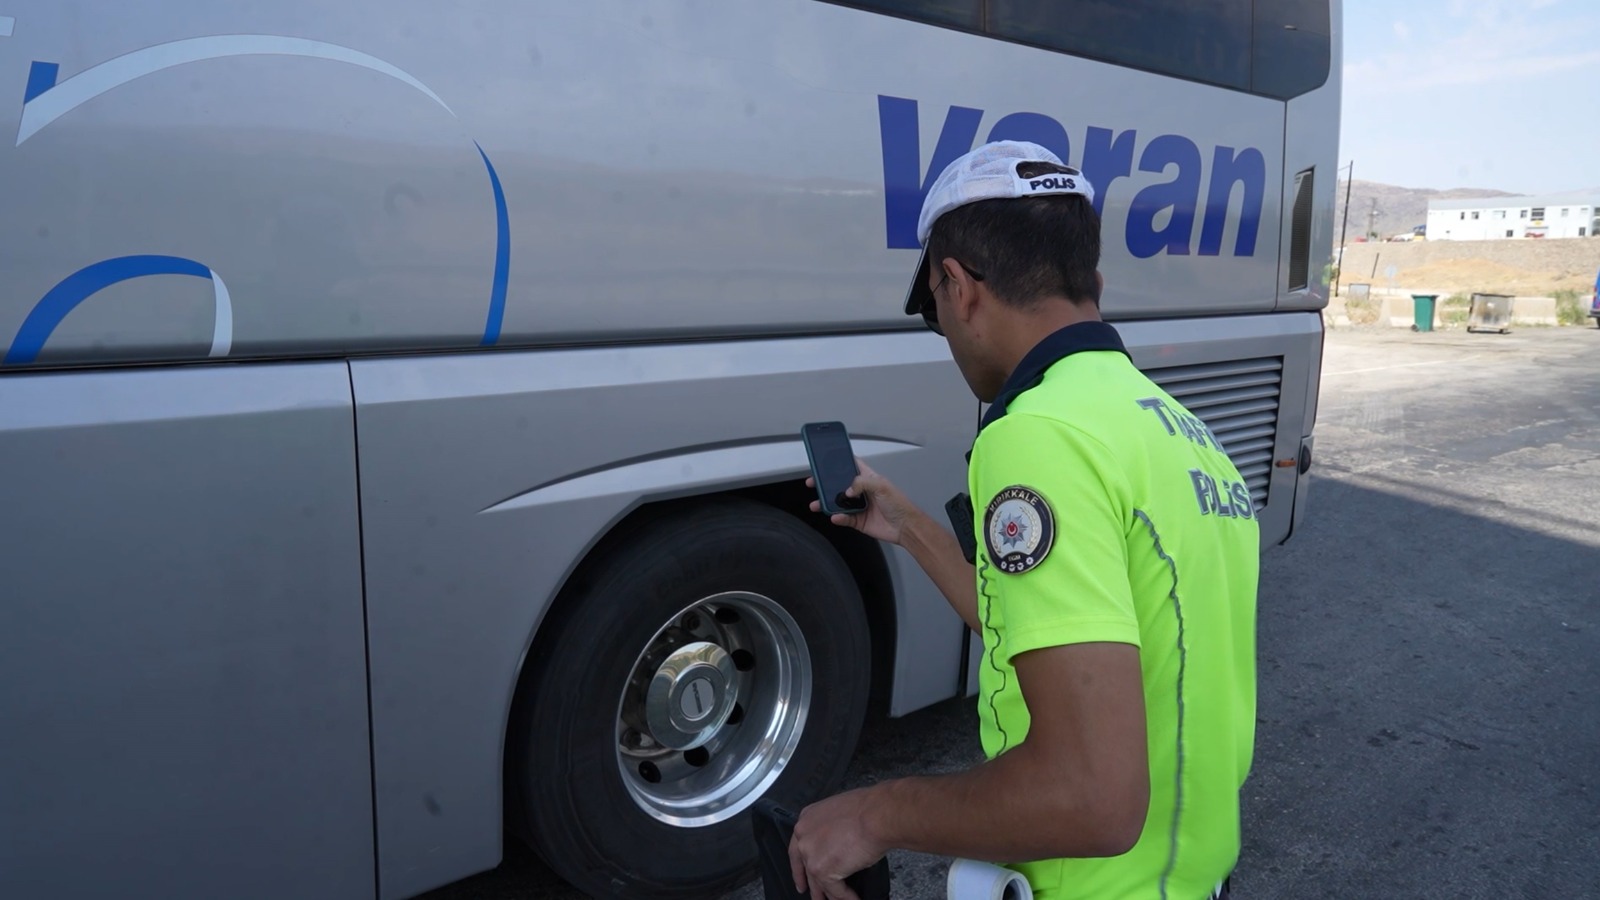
{"x": 1026, "y": 248}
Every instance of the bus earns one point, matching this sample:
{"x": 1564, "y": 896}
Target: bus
{"x": 400, "y": 403}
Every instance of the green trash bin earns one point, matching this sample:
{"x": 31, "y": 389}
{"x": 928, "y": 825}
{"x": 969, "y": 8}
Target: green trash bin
{"x": 1422, "y": 311}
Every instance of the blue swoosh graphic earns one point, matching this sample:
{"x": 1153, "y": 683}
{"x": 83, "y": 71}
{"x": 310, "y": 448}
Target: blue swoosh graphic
{"x": 46, "y": 99}
{"x": 502, "y": 256}
{"x": 41, "y": 78}
{"x": 85, "y": 283}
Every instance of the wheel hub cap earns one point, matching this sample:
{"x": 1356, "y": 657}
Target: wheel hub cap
{"x": 713, "y": 709}
{"x": 690, "y": 696}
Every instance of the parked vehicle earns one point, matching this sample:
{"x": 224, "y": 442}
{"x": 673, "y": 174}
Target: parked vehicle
{"x": 401, "y": 403}
{"x": 1594, "y": 301}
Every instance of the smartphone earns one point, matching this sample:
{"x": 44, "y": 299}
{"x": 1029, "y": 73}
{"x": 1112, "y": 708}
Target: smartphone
{"x": 833, "y": 465}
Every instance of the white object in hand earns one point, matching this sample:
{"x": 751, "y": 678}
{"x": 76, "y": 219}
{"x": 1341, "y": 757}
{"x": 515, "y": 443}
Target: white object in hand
{"x": 973, "y": 880}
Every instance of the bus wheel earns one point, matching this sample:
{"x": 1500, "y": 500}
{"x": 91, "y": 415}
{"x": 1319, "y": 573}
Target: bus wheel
{"x": 709, "y": 659}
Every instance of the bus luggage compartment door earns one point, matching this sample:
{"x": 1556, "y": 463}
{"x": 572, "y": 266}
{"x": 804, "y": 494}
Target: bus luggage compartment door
{"x": 181, "y": 636}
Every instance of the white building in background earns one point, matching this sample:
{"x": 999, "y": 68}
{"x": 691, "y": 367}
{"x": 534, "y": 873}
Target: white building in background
{"x": 1500, "y": 218}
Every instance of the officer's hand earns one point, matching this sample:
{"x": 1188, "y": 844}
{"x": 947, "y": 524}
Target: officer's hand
{"x": 887, "y": 510}
{"x": 830, "y": 844}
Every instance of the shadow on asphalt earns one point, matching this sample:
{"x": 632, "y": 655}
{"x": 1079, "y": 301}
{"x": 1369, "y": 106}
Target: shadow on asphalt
{"x": 1428, "y": 724}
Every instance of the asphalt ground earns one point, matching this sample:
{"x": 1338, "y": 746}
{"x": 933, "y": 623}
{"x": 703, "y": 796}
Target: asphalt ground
{"x": 1429, "y": 641}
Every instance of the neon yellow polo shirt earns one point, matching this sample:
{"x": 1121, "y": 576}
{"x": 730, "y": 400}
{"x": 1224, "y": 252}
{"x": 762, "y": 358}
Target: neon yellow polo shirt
{"x": 1105, "y": 511}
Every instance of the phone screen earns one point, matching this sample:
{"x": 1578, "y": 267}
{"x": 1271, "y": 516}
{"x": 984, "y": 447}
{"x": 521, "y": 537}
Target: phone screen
{"x": 833, "y": 465}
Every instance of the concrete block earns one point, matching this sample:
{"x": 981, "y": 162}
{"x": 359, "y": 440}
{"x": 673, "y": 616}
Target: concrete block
{"x": 1400, "y": 312}
{"x": 1533, "y": 311}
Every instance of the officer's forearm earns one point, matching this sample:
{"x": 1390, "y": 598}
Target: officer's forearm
{"x": 1008, "y": 809}
{"x": 936, "y": 551}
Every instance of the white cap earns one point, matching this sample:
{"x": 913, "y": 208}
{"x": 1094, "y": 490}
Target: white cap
{"x": 1003, "y": 170}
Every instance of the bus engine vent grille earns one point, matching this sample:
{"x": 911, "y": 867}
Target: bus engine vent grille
{"x": 1238, "y": 401}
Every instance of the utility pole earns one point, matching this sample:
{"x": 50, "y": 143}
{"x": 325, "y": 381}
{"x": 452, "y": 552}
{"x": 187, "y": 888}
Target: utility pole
{"x": 1344, "y": 229}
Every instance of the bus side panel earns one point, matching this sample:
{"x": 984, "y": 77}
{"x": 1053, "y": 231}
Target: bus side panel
{"x": 184, "y": 711}
{"x": 487, "y": 478}
{"x": 196, "y": 180}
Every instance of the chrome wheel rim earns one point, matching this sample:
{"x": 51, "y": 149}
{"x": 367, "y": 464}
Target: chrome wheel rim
{"x": 713, "y": 709}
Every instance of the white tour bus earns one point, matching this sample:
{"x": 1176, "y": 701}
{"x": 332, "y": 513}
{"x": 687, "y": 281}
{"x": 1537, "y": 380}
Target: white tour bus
{"x": 400, "y": 402}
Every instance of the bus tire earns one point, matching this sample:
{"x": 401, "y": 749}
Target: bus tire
{"x": 635, "y": 748}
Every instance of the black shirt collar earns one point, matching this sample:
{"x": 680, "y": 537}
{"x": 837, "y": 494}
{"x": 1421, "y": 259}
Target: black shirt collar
{"x": 1078, "y": 338}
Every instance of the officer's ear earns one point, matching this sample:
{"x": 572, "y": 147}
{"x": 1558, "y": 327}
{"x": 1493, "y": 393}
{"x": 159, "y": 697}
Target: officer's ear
{"x": 1099, "y": 288}
{"x": 961, "y": 290}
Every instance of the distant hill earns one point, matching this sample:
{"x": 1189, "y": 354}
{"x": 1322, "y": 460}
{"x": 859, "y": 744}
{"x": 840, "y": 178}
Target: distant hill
{"x": 1399, "y": 209}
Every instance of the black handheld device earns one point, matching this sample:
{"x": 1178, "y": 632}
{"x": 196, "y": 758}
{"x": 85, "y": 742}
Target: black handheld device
{"x": 774, "y": 826}
{"x": 833, "y": 465}
{"x": 959, "y": 509}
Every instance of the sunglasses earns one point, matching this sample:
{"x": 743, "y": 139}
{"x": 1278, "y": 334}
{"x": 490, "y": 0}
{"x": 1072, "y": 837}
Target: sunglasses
{"x": 930, "y": 306}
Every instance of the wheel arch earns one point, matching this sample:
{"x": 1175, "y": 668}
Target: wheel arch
{"x": 868, "y": 566}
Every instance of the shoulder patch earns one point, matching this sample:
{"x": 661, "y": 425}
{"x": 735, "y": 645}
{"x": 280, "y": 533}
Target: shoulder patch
{"x": 1019, "y": 529}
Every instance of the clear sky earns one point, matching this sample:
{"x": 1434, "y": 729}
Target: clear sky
{"x": 1501, "y": 94}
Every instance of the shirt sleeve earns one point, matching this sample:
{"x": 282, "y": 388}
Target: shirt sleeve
{"x": 1052, "y": 512}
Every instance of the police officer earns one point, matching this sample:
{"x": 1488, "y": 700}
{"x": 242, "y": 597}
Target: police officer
{"x": 1110, "y": 568}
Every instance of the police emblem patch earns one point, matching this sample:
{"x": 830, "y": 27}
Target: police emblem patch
{"x": 1019, "y": 528}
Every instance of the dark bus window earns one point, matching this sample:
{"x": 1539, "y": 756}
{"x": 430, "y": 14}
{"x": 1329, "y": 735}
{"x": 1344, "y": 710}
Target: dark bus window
{"x": 1276, "y": 48}
{"x": 1203, "y": 40}
{"x": 964, "y": 14}
{"x": 1292, "y": 47}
